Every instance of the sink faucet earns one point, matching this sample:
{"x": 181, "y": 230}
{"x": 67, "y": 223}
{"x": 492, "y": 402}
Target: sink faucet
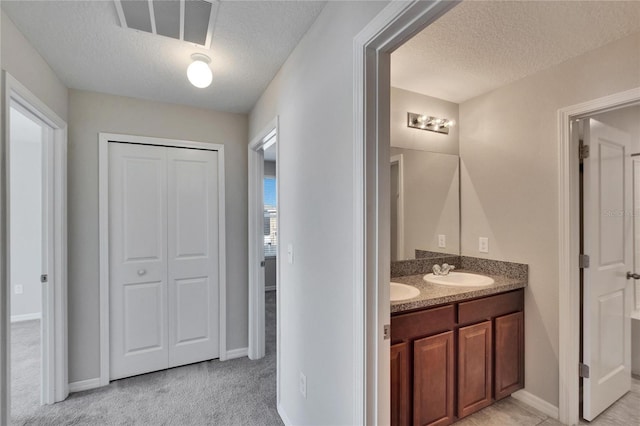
{"x": 443, "y": 270}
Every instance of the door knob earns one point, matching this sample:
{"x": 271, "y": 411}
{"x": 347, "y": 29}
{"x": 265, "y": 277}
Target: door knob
{"x": 141, "y": 272}
{"x": 633, "y": 275}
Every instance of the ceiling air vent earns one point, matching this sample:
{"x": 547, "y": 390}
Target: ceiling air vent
{"x": 187, "y": 20}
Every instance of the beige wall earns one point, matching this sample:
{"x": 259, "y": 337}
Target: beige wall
{"x": 509, "y": 150}
{"x": 404, "y": 101}
{"x": 313, "y": 96}
{"x": 91, "y": 113}
{"x": 25, "y": 64}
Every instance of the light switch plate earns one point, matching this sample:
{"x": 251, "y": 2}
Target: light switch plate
{"x": 483, "y": 245}
{"x": 18, "y": 289}
{"x": 290, "y": 253}
{"x": 442, "y": 241}
{"x": 303, "y": 385}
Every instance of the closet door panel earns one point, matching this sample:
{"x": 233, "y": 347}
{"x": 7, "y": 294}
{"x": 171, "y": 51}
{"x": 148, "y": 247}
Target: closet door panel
{"x": 137, "y": 259}
{"x": 193, "y": 255}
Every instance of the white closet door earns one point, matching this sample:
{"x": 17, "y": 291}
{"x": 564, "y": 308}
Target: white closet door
{"x": 193, "y": 255}
{"x": 138, "y": 259}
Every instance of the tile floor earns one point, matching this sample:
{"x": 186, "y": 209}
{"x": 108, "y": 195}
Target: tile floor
{"x": 511, "y": 412}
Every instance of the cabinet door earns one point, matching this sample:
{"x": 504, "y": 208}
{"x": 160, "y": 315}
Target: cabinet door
{"x": 400, "y": 385}
{"x": 474, "y": 368}
{"x": 433, "y": 375}
{"x": 509, "y": 354}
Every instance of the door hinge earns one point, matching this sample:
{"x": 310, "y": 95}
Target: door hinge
{"x": 584, "y": 151}
{"x": 387, "y": 332}
{"x": 583, "y": 261}
{"x": 262, "y": 263}
{"x": 44, "y": 278}
{"x": 583, "y": 370}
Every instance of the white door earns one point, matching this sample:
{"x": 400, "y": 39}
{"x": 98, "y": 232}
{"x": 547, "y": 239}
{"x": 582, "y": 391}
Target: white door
{"x": 163, "y": 232}
{"x": 193, "y": 255}
{"x": 608, "y": 239}
{"x": 137, "y": 259}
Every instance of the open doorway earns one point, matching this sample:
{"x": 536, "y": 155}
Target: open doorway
{"x": 609, "y": 145}
{"x": 34, "y": 322}
{"x": 28, "y": 234}
{"x": 264, "y": 251}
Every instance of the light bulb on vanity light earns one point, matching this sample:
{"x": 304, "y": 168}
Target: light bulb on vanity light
{"x": 199, "y": 73}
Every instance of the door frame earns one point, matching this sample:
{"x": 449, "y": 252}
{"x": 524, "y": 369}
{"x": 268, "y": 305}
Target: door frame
{"x": 399, "y": 160}
{"x": 569, "y": 248}
{"x": 55, "y": 383}
{"x": 103, "y": 213}
{"x": 372, "y": 47}
{"x": 256, "y": 349}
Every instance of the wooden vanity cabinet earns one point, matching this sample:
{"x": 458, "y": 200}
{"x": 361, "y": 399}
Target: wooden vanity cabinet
{"x": 433, "y": 380}
{"x": 453, "y": 360}
{"x": 475, "y": 362}
{"x": 509, "y": 354}
{"x": 400, "y": 385}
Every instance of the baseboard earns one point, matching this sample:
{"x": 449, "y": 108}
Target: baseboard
{"x": 270, "y": 288}
{"x": 84, "y": 385}
{"x": 237, "y": 353}
{"x": 537, "y": 403}
{"x": 26, "y": 317}
{"x": 283, "y": 416}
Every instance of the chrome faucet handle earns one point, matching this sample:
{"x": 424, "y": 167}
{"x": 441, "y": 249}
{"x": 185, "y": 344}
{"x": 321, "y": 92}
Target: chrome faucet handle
{"x": 437, "y": 270}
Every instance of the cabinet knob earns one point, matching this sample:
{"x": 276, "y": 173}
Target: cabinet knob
{"x": 141, "y": 272}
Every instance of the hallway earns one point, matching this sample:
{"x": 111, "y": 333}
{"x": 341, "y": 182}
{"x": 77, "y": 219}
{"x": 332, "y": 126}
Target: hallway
{"x": 235, "y": 392}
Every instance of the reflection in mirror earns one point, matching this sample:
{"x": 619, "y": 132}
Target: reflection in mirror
{"x": 425, "y": 204}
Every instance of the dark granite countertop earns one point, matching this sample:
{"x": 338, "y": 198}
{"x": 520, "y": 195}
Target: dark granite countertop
{"x": 433, "y": 295}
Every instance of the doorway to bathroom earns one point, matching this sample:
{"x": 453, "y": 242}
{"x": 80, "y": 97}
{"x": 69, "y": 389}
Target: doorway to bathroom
{"x": 608, "y": 150}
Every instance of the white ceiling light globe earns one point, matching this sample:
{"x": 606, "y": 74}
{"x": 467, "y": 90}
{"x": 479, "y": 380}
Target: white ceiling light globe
{"x": 199, "y": 73}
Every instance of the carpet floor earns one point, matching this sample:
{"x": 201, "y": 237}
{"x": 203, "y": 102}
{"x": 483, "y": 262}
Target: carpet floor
{"x": 25, "y": 368}
{"x": 235, "y": 392}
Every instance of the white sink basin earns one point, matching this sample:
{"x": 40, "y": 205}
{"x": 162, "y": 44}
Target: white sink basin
{"x": 459, "y": 279}
{"x": 403, "y": 292}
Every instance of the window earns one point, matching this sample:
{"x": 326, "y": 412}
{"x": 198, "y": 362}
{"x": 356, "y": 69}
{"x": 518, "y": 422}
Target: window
{"x": 270, "y": 215}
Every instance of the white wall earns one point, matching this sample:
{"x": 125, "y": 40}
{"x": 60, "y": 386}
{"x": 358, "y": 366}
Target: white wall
{"x": 24, "y": 63}
{"x": 26, "y": 215}
{"x": 402, "y": 136}
{"x": 313, "y": 96}
{"x": 91, "y": 113}
{"x": 509, "y": 150}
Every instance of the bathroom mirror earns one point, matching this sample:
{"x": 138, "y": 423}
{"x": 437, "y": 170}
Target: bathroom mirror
{"x": 425, "y": 204}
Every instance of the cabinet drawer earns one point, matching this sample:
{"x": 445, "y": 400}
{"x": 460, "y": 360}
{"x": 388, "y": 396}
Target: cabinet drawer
{"x": 422, "y": 323}
{"x": 490, "y": 307}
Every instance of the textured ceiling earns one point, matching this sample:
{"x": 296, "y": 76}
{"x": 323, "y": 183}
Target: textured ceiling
{"x": 84, "y": 44}
{"x": 481, "y": 45}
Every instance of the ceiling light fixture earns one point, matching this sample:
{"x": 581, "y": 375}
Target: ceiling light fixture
{"x": 199, "y": 73}
{"x": 426, "y": 122}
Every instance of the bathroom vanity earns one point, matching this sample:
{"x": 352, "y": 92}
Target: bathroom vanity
{"x": 454, "y": 350}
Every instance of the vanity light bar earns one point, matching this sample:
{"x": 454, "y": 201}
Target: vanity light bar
{"x": 427, "y": 122}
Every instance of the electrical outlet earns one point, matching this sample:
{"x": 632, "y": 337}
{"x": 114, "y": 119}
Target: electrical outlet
{"x": 18, "y": 289}
{"x": 290, "y": 253}
{"x": 442, "y": 241}
{"x": 483, "y": 245}
{"x": 303, "y": 385}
